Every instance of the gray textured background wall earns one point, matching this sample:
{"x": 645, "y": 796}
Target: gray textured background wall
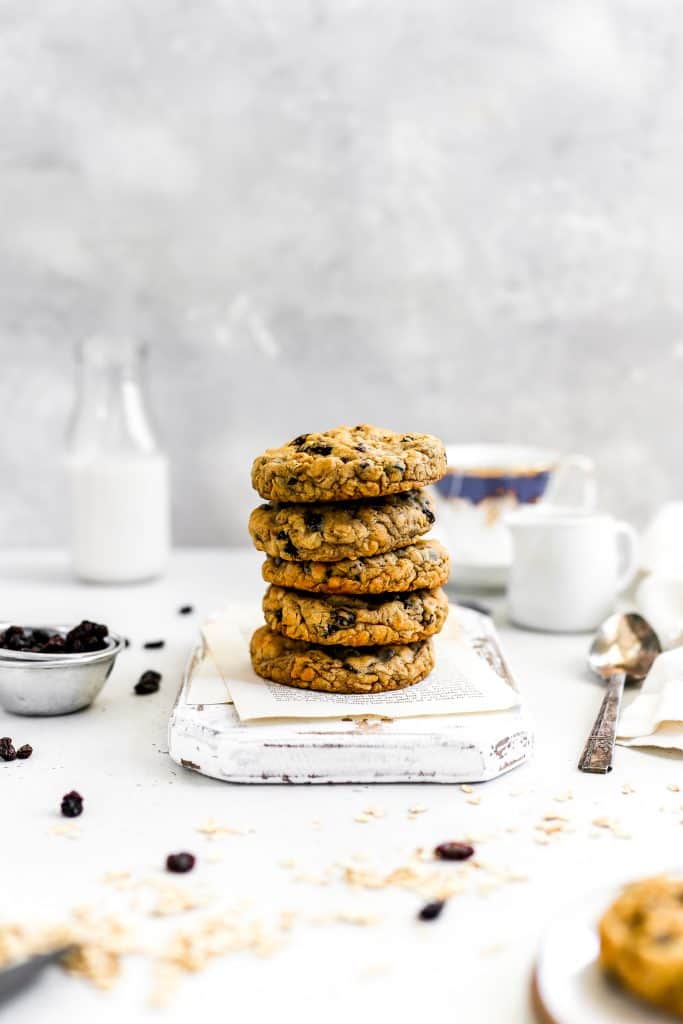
{"x": 449, "y": 215}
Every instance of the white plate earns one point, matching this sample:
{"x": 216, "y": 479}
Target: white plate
{"x": 570, "y": 985}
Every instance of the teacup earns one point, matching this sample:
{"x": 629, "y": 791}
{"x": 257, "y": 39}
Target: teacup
{"x": 484, "y": 481}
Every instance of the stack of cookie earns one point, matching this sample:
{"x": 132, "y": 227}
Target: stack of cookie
{"x": 354, "y": 594}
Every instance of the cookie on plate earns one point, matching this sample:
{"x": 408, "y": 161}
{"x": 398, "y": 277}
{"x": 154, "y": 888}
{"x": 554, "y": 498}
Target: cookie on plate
{"x": 419, "y": 566}
{"x": 359, "y": 620}
{"x": 339, "y": 669}
{"x": 336, "y": 530}
{"x": 641, "y": 941}
{"x": 347, "y": 463}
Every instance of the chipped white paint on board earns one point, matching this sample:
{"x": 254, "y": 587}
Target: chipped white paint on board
{"x": 209, "y": 738}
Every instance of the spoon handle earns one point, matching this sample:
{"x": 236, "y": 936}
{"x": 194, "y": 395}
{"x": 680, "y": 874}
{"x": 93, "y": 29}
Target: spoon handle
{"x": 599, "y": 750}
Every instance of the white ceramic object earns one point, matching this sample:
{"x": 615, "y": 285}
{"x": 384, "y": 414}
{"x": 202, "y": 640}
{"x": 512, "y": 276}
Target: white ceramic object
{"x": 209, "y": 737}
{"x": 569, "y": 985}
{"x": 483, "y": 482}
{"x": 566, "y": 572}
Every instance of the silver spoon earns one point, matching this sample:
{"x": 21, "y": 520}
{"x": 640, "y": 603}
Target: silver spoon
{"x": 623, "y": 651}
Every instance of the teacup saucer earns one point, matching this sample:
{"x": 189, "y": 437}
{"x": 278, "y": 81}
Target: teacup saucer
{"x": 480, "y": 577}
{"x": 473, "y": 574}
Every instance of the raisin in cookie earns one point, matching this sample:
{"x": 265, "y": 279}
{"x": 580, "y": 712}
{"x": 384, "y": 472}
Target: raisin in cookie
{"x": 339, "y": 669}
{"x": 347, "y": 463}
{"x": 641, "y": 941}
{"x": 330, "y": 532}
{"x": 359, "y": 621}
{"x": 419, "y": 566}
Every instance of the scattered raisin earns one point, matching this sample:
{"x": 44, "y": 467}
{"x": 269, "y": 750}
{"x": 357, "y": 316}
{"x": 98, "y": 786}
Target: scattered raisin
{"x": 431, "y": 518}
{"x": 72, "y": 804}
{"x": 431, "y": 911}
{"x": 179, "y": 863}
{"x": 318, "y": 449}
{"x": 291, "y": 549}
{"x": 148, "y": 682}
{"x": 299, "y": 441}
{"x": 24, "y": 751}
{"x": 154, "y": 645}
{"x": 453, "y": 851}
{"x": 186, "y": 609}
{"x": 7, "y": 751}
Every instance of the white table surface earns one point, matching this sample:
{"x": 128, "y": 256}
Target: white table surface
{"x": 472, "y": 964}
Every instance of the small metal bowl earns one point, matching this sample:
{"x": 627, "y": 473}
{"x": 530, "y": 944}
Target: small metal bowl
{"x": 54, "y": 684}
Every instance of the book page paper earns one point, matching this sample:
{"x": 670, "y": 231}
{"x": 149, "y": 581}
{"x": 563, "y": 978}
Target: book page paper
{"x": 461, "y": 682}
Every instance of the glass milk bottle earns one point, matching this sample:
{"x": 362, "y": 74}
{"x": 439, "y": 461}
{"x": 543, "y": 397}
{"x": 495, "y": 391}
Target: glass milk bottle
{"x": 118, "y": 477}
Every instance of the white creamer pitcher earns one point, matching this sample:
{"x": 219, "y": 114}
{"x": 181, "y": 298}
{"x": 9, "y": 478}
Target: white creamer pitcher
{"x": 568, "y": 567}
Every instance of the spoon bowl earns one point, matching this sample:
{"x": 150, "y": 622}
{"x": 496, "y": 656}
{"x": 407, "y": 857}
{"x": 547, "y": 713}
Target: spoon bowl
{"x": 624, "y": 643}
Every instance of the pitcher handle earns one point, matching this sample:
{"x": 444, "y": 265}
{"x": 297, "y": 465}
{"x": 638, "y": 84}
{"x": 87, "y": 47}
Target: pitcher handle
{"x": 582, "y": 467}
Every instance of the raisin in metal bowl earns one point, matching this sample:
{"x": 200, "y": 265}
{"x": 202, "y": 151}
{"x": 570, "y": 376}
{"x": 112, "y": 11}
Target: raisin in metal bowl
{"x": 39, "y": 681}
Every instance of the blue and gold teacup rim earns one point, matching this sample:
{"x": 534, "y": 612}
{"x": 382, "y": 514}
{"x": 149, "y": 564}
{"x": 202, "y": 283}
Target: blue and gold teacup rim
{"x": 496, "y": 473}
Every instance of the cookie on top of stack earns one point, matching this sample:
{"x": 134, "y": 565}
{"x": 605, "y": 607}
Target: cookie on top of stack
{"x": 355, "y": 594}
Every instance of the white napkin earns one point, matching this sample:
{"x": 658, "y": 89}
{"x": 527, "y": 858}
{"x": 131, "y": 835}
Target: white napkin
{"x": 661, "y": 542}
{"x": 659, "y": 598}
{"x": 655, "y": 717}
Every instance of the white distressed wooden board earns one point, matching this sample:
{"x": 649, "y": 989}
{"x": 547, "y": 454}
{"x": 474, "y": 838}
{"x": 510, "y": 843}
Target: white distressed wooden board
{"x": 209, "y": 738}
